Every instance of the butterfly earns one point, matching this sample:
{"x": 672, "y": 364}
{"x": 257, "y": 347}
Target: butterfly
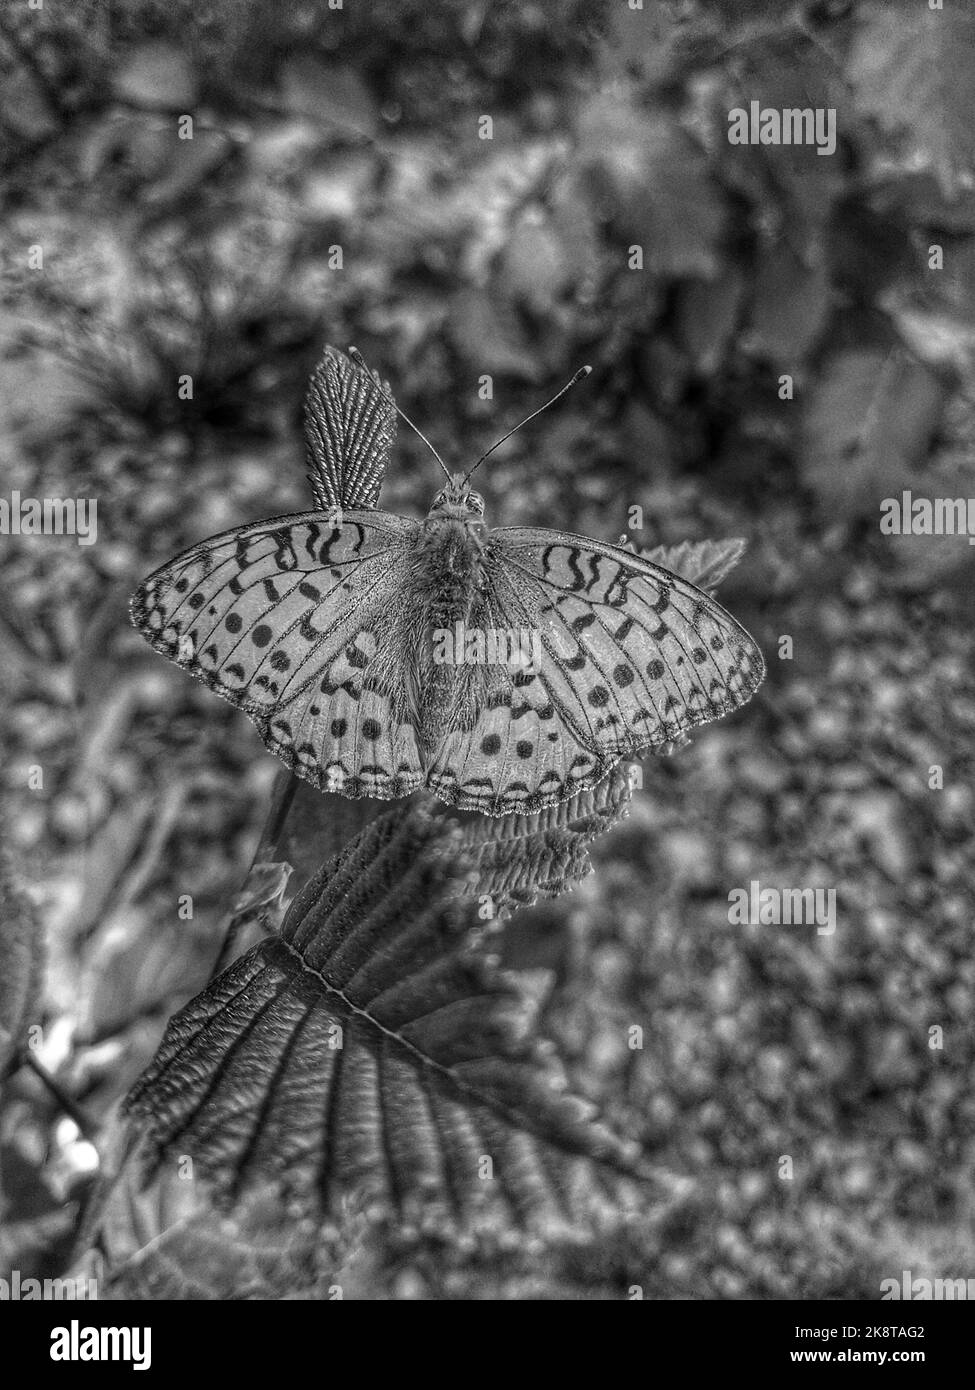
{"x": 505, "y": 670}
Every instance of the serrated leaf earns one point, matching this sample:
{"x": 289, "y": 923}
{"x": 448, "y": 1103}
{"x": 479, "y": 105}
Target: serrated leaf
{"x": 912, "y": 68}
{"x": 867, "y": 426}
{"x": 704, "y": 563}
{"x": 350, "y": 426}
{"x": 515, "y": 860}
{"x": 519, "y": 859}
{"x": 374, "y": 1058}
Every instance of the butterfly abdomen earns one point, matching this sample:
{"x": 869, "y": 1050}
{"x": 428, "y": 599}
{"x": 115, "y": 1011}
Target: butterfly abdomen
{"x": 444, "y": 584}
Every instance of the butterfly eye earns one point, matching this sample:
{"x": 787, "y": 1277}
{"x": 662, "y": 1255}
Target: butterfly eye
{"x": 475, "y": 503}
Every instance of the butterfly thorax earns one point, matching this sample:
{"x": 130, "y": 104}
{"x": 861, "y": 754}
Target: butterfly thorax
{"x": 448, "y": 568}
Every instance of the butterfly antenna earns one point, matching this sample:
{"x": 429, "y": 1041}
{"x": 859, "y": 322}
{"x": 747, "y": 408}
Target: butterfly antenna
{"x": 357, "y": 358}
{"x": 583, "y": 371}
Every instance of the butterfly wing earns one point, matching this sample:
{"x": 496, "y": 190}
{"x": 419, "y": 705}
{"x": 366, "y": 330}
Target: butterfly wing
{"x": 287, "y": 619}
{"x": 631, "y": 657}
{"x": 350, "y": 425}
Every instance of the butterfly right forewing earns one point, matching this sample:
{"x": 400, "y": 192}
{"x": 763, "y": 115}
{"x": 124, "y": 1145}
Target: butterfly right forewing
{"x": 285, "y": 619}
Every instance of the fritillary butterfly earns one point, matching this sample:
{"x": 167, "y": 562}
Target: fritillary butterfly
{"x": 360, "y": 642}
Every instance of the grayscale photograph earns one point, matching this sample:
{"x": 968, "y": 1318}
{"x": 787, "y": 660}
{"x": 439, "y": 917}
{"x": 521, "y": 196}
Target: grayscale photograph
{"x": 487, "y": 549}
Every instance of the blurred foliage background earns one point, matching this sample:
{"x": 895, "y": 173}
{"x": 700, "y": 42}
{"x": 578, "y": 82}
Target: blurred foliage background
{"x": 336, "y": 188}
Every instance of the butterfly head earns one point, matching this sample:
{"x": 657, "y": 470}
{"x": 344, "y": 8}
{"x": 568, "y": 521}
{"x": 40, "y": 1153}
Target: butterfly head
{"x": 457, "y": 500}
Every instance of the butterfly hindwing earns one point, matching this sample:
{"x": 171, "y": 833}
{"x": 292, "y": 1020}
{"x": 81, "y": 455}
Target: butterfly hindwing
{"x": 631, "y": 657}
{"x": 284, "y": 619}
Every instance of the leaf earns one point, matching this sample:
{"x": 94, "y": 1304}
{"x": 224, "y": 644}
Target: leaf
{"x": 157, "y": 75}
{"x": 867, "y": 426}
{"x": 704, "y": 563}
{"x": 519, "y": 859}
{"x": 790, "y": 307}
{"x": 25, "y": 108}
{"x": 350, "y": 426}
{"x": 373, "y": 1057}
{"x": 790, "y": 187}
{"x": 534, "y": 268}
{"x": 657, "y": 182}
{"x": 941, "y": 339}
{"x": 187, "y": 166}
{"x": 515, "y": 860}
{"x": 333, "y": 94}
{"x": 705, "y": 318}
{"x": 937, "y": 320}
{"x": 488, "y": 334}
{"x": 21, "y": 960}
{"x": 166, "y": 1240}
{"x": 911, "y": 67}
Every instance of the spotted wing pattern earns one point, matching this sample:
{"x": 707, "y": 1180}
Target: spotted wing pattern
{"x": 350, "y": 426}
{"x": 632, "y": 656}
{"x": 288, "y": 619}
